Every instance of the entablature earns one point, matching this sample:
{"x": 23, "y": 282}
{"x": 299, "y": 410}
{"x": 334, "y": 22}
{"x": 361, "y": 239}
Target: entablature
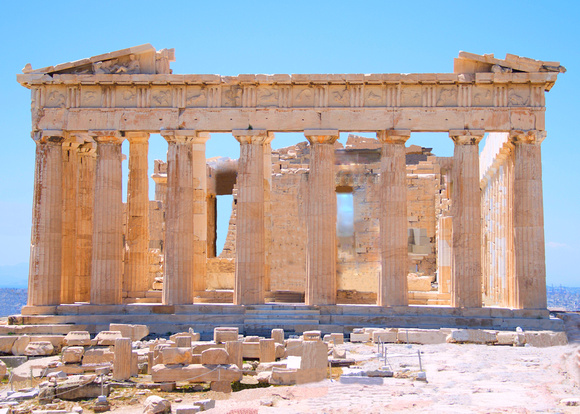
{"x": 135, "y": 88}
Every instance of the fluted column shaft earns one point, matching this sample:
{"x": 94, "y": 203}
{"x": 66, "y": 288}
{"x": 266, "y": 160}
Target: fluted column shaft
{"x": 85, "y": 207}
{"x": 136, "y": 276}
{"x": 250, "y": 220}
{"x": 44, "y": 280}
{"x": 179, "y": 271}
{"x": 199, "y": 213}
{"x": 69, "y": 222}
{"x": 321, "y": 281}
{"x": 466, "y": 275}
{"x": 107, "y": 267}
{"x": 529, "y": 248}
{"x": 393, "y": 219}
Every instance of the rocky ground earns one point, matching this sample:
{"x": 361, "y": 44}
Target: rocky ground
{"x": 459, "y": 379}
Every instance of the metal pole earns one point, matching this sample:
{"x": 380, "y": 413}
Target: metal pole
{"x": 420, "y": 365}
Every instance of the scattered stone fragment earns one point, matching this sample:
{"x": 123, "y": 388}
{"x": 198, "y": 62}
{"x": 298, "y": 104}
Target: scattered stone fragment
{"x": 283, "y": 376}
{"x": 77, "y": 338}
{"x": 312, "y": 335}
{"x": 385, "y": 335}
{"x": 19, "y": 345}
{"x": 187, "y": 409}
{"x": 73, "y": 354}
{"x": 171, "y": 355}
{"x": 79, "y": 387}
{"x": 156, "y": 405}
{"x": 225, "y": 334}
{"x": 278, "y": 335}
{"x": 214, "y": 356}
{"x": 98, "y": 356}
{"x": 6, "y": 343}
{"x": 205, "y": 405}
{"x": 383, "y": 373}
{"x": 267, "y": 350}
{"x": 135, "y": 332}
{"x": 474, "y": 336}
{"x": 360, "y": 337}
{"x": 107, "y": 337}
{"x": 235, "y": 351}
{"x": 573, "y": 402}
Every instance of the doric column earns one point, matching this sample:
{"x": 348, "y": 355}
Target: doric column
{"x": 136, "y": 276}
{"x": 107, "y": 267}
{"x": 87, "y": 158}
{"x": 529, "y": 248}
{"x": 393, "y": 219}
{"x": 46, "y": 242}
{"x": 250, "y": 220}
{"x": 267, "y": 215}
{"x": 466, "y": 206}
{"x": 69, "y": 222}
{"x": 199, "y": 213}
{"x": 321, "y": 220}
{"x": 178, "y": 279}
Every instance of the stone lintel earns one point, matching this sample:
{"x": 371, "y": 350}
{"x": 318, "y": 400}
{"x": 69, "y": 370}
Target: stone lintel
{"x": 466, "y": 136}
{"x": 394, "y": 136}
{"x": 527, "y": 137}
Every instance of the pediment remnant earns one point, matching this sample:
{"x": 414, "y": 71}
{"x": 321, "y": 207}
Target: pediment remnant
{"x": 473, "y": 63}
{"x": 142, "y": 59}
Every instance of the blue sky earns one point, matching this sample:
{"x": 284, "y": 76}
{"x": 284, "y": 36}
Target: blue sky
{"x": 230, "y": 38}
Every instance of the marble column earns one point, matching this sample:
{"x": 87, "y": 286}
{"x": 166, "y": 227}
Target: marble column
{"x": 69, "y": 222}
{"x": 44, "y": 285}
{"x": 252, "y": 185}
{"x": 136, "y": 276}
{"x": 268, "y": 217}
{"x": 321, "y": 281}
{"x": 178, "y": 279}
{"x": 199, "y": 213}
{"x": 393, "y": 219}
{"x": 466, "y": 277}
{"x": 528, "y": 214}
{"x": 87, "y": 157}
{"x": 107, "y": 266}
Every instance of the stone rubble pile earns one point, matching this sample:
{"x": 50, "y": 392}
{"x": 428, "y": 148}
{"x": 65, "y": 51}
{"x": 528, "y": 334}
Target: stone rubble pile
{"x": 88, "y": 368}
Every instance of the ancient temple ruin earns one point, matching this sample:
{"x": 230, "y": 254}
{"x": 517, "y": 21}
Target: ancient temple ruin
{"x": 460, "y": 239}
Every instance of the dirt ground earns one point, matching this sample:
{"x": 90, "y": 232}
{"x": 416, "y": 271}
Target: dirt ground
{"x": 460, "y": 379}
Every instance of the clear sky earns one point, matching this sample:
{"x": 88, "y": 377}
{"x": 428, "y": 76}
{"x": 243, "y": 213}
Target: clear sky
{"x": 234, "y": 37}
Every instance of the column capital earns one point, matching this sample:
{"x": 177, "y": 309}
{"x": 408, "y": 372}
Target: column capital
{"x": 79, "y": 136}
{"x": 466, "y": 136}
{"x": 253, "y": 136}
{"x": 394, "y": 136}
{"x": 321, "y": 136}
{"x": 107, "y": 136}
{"x": 136, "y": 136}
{"x": 185, "y": 136}
{"x": 527, "y": 137}
{"x": 88, "y": 148}
{"x": 44, "y": 136}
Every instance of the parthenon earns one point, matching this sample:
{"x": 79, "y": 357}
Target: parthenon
{"x": 90, "y": 253}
